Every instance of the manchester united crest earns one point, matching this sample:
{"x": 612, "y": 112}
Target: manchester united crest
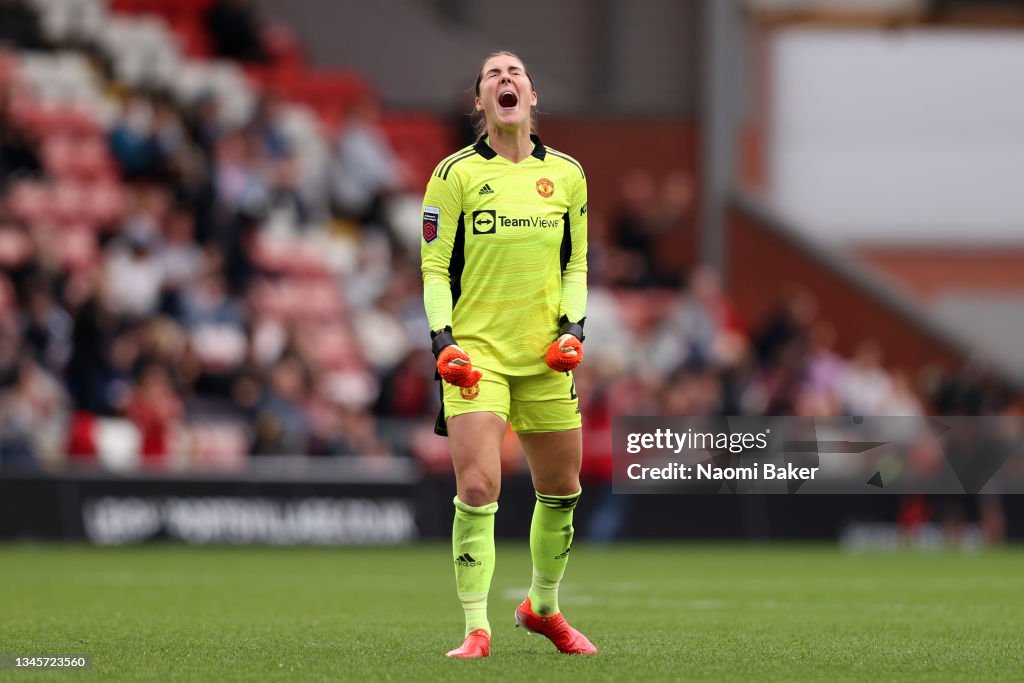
{"x": 545, "y": 188}
{"x": 469, "y": 393}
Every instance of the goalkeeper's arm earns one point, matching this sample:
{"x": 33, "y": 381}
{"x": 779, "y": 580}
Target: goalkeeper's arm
{"x": 566, "y": 352}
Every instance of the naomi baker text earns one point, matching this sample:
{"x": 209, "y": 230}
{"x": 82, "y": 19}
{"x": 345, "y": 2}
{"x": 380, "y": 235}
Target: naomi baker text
{"x": 705, "y": 471}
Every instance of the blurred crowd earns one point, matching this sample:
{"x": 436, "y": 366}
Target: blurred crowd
{"x": 200, "y": 323}
{"x": 236, "y": 305}
{"x": 166, "y": 327}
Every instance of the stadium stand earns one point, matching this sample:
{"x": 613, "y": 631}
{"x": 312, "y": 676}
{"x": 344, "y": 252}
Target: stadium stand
{"x": 181, "y": 291}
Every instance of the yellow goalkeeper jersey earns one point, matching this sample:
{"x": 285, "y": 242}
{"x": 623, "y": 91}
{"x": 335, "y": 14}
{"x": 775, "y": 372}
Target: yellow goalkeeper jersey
{"x": 504, "y": 253}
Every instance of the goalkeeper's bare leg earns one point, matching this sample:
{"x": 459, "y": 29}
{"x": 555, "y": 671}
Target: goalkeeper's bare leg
{"x": 475, "y": 440}
{"x": 555, "y": 459}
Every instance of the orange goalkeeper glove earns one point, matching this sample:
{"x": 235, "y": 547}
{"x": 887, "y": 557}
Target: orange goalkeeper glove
{"x": 566, "y": 352}
{"x": 453, "y": 364}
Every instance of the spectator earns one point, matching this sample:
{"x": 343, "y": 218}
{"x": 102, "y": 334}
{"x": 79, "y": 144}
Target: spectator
{"x": 700, "y": 330}
{"x": 463, "y": 118}
{"x": 94, "y": 330}
{"x": 204, "y": 124}
{"x": 357, "y": 435}
{"x": 865, "y": 386}
{"x": 164, "y": 342}
{"x": 180, "y": 259}
{"x": 282, "y": 427}
{"x": 46, "y": 327}
{"x": 18, "y": 156}
{"x": 9, "y": 343}
{"x": 901, "y": 399}
{"x": 19, "y": 25}
{"x": 156, "y": 409}
{"x": 823, "y": 370}
{"x": 672, "y": 237}
{"x": 181, "y": 160}
{"x": 365, "y": 169}
{"x": 33, "y": 416}
{"x": 133, "y": 142}
{"x": 236, "y": 177}
{"x": 285, "y": 204}
{"x": 382, "y": 332}
{"x": 632, "y": 230}
{"x": 787, "y": 325}
{"x": 207, "y": 303}
{"x": 234, "y": 26}
{"x": 134, "y": 273}
{"x": 266, "y": 127}
{"x": 408, "y": 390}
{"x": 691, "y": 391}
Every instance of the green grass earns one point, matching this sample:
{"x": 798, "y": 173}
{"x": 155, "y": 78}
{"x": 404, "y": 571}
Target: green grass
{"x": 657, "y": 612}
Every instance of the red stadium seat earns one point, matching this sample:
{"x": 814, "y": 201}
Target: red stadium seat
{"x": 329, "y": 93}
{"x": 107, "y": 202}
{"x": 67, "y": 199}
{"x": 58, "y": 155}
{"x": 332, "y": 346}
{"x": 191, "y": 34}
{"x": 184, "y": 17}
{"x": 298, "y": 300}
{"x": 293, "y": 259}
{"x": 163, "y": 7}
{"x": 75, "y": 121}
{"x": 283, "y": 46}
{"x": 93, "y": 160}
{"x": 419, "y": 140}
{"x": 29, "y": 201}
{"x": 46, "y": 119}
{"x": 77, "y": 249}
{"x": 15, "y": 248}
{"x": 77, "y": 157}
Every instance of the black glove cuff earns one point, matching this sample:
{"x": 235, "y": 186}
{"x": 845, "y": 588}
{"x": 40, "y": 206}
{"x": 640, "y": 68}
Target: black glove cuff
{"x": 575, "y": 329}
{"x": 441, "y": 340}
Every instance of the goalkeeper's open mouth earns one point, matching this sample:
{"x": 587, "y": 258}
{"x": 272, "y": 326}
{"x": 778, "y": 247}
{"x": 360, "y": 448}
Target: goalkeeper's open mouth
{"x": 508, "y": 100}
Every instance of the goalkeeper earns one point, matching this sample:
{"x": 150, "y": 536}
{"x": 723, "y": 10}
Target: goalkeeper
{"x": 504, "y": 277}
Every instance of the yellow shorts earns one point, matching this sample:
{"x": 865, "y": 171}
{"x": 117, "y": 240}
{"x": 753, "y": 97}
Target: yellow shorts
{"x": 531, "y": 403}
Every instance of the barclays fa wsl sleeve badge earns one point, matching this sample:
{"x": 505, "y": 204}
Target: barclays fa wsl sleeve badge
{"x": 431, "y": 218}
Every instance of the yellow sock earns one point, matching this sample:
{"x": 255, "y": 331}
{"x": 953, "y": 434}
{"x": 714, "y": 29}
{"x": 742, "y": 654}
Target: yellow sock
{"x": 550, "y": 542}
{"x": 473, "y": 550}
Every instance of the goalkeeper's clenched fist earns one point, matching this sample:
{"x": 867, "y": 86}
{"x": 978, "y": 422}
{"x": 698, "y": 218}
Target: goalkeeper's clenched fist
{"x": 566, "y": 352}
{"x": 453, "y": 364}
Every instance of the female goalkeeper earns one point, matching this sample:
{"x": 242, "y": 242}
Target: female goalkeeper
{"x": 505, "y": 288}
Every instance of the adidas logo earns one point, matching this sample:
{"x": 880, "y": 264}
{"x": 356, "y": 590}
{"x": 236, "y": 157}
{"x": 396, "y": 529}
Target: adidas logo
{"x": 466, "y": 560}
{"x": 563, "y": 555}
{"x": 486, "y": 189}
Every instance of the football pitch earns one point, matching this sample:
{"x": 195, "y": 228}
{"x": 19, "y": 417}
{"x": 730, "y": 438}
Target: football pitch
{"x": 657, "y": 612}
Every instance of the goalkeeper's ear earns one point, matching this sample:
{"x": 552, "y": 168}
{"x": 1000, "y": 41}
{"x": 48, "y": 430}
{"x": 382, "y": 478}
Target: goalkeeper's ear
{"x": 575, "y": 329}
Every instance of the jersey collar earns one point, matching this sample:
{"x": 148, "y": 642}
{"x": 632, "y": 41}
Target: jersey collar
{"x": 484, "y": 150}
